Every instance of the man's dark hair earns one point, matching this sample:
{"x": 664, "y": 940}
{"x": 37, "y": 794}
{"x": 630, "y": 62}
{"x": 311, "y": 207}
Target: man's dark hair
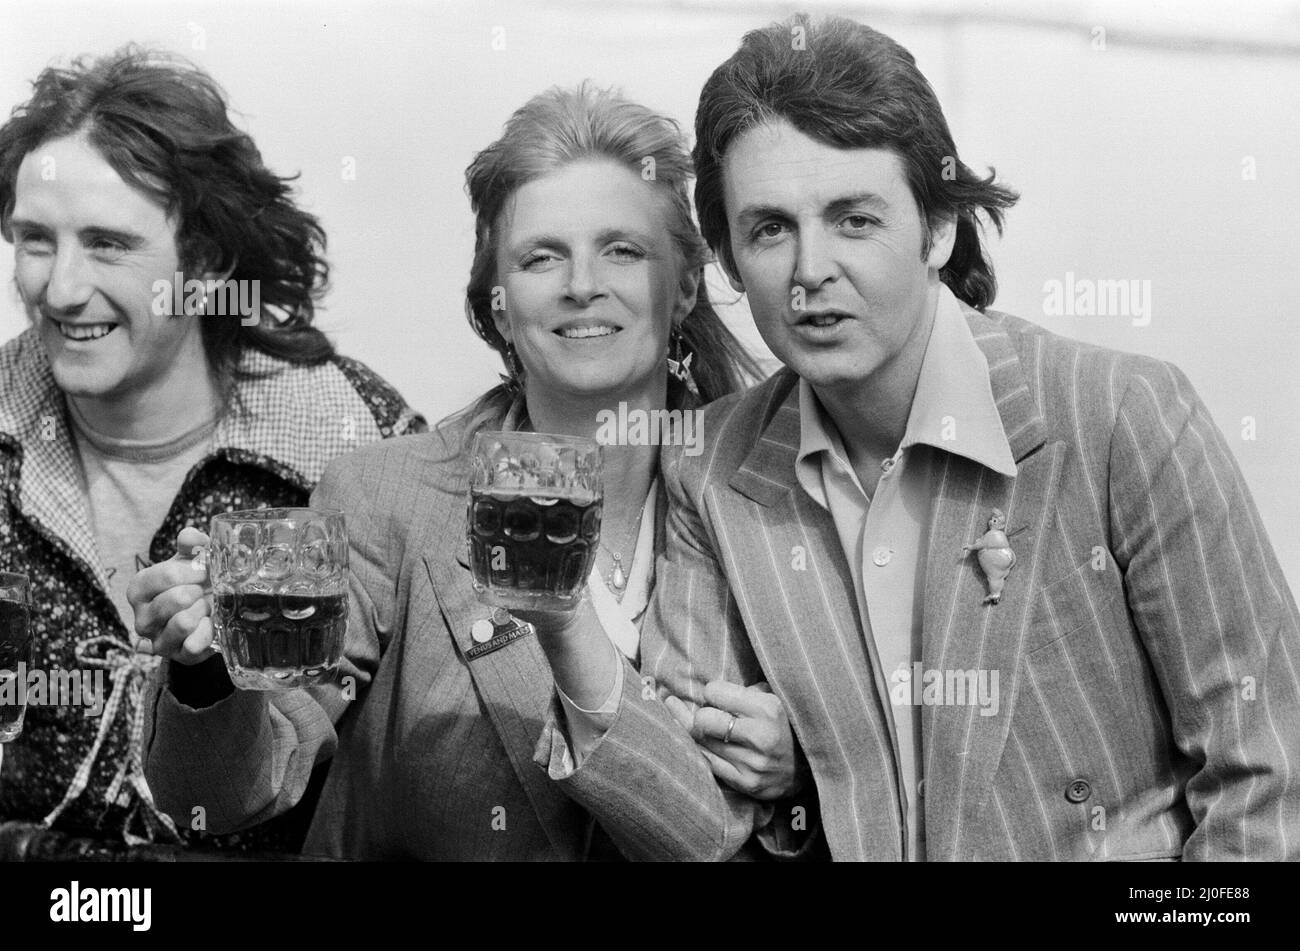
{"x": 847, "y": 86}
{"x": 162, "y": 124}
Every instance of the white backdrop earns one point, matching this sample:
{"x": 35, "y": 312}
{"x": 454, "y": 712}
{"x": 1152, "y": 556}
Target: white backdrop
{"x": 1150, "y": 143}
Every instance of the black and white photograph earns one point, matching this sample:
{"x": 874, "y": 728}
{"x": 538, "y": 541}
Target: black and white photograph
{"x": 675, "y": 431}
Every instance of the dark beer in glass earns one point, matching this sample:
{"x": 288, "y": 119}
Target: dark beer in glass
{"x": 280, "y": 596}
{"x": 533, "y": 518}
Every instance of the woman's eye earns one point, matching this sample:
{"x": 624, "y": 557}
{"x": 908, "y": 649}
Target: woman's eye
{"x": 768, "y": 231}
{"x": 536, "y": 260}
{"x": 626, "y": 252}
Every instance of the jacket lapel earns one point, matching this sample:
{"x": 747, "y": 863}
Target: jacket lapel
{"x": 806, "y": 631}
{"x": 515, "y": 685}
{"x": 964, "y": 743}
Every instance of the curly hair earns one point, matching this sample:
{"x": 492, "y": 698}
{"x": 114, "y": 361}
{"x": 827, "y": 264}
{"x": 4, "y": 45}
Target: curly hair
{"x": 849, "y": 87}
{"x": 163, "y": 125}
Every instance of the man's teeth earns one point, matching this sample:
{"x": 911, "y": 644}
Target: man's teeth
{"x": 573, "y": 333}
{"x": 86, "y": 331}
{"x": 824, "y": 320}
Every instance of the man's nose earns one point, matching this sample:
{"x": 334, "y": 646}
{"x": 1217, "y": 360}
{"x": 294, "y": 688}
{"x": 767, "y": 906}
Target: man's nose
{"x": 814, "y": 264}
{"x": 70, "y": 285}
{"x": 585, "y": 283}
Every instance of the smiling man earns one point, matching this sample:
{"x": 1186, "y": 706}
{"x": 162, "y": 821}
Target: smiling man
{"x": 1011, "y": 589}
{"x": 122, "y": 421}
{"x": 89, "y": 248}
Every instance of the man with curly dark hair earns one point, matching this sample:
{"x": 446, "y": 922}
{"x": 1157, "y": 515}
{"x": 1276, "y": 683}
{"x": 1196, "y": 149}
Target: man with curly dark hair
{"x": 171, "y": 372}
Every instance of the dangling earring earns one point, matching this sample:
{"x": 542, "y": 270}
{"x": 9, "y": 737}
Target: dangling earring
{"x": 679, "y": 366}
{"x": 514, "y": 382}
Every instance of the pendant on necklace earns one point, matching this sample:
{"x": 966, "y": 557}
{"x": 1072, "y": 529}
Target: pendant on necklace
{"x": 617, "y": 580}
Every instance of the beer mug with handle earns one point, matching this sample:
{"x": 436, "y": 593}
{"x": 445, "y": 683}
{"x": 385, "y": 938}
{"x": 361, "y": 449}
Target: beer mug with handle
{"x": 533, "y": 518}
{"x": 280, "y": 595}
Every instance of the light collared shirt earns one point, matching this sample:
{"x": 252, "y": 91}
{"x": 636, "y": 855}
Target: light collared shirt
{"x": 884, "y": 537}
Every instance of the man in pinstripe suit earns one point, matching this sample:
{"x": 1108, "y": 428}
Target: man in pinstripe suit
{"x": 1010, "y": 589}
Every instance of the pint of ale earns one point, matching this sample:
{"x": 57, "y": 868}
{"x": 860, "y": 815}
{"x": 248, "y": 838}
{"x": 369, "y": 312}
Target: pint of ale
{"x": 280, "y": 595}
{"x": 533, "y": 518}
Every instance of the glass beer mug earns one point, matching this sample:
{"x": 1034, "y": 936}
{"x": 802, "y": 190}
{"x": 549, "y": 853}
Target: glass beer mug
{"x": 533, "y": 518}
{"x": 280, "y": 595}
{"x": 15, "y": 652}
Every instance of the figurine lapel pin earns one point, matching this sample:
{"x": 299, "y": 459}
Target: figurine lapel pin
{"x": 996, "y": 559}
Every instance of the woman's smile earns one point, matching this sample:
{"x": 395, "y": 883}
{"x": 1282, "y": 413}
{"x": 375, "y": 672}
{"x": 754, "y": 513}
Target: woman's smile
{"x": 591, "y": 280}
{"x": 588, "y": 330}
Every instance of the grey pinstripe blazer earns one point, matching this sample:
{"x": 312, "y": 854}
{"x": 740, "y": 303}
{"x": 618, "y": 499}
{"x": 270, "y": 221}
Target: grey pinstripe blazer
{"x": 1146, "y": 643}
{"x": 432, "y": 760}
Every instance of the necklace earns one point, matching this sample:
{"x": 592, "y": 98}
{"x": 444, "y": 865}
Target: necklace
{"x": 616, "y": 577}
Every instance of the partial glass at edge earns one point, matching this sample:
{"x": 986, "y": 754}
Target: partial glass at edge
{"x": 15, "y": 651}
{"x": 533, "y": 518}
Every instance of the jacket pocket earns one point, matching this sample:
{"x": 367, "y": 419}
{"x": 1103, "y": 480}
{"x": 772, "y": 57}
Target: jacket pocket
{"x": 1087, "y": 595}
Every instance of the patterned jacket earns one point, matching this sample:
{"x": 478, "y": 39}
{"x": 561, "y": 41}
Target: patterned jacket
{"x": 284, "y": 424}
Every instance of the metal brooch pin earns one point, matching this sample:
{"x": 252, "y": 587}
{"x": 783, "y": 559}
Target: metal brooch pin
{"x": 491, "y": 634}
{"x": 996, "y": 559}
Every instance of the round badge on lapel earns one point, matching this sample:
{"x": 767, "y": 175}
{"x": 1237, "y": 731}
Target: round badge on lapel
{"x": 482, "y": 631}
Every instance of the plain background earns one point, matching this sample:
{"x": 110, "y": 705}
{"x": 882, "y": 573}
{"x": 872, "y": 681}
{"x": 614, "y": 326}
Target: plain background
{"x": 1150, "y": 141}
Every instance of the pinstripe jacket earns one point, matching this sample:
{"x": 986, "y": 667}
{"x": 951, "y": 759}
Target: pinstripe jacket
{"x": 430, "y": 746}
{"x": 1146, "y": 641}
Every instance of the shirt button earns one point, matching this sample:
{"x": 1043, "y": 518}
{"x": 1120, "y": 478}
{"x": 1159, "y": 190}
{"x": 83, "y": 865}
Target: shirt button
{"x": 1078, "y": 791}
{"x": 920, "y": 789}
{"x": 887, "y": 464}
{"x": 881, "y": 556}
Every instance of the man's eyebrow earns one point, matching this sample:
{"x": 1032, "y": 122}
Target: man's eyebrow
{"x": 27, "y": 225}
{"x": 859, "y": 200}
{"x": 837, "y": 206}
{"x": 756, "y": 212}
{"x": 128, "y": 238}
